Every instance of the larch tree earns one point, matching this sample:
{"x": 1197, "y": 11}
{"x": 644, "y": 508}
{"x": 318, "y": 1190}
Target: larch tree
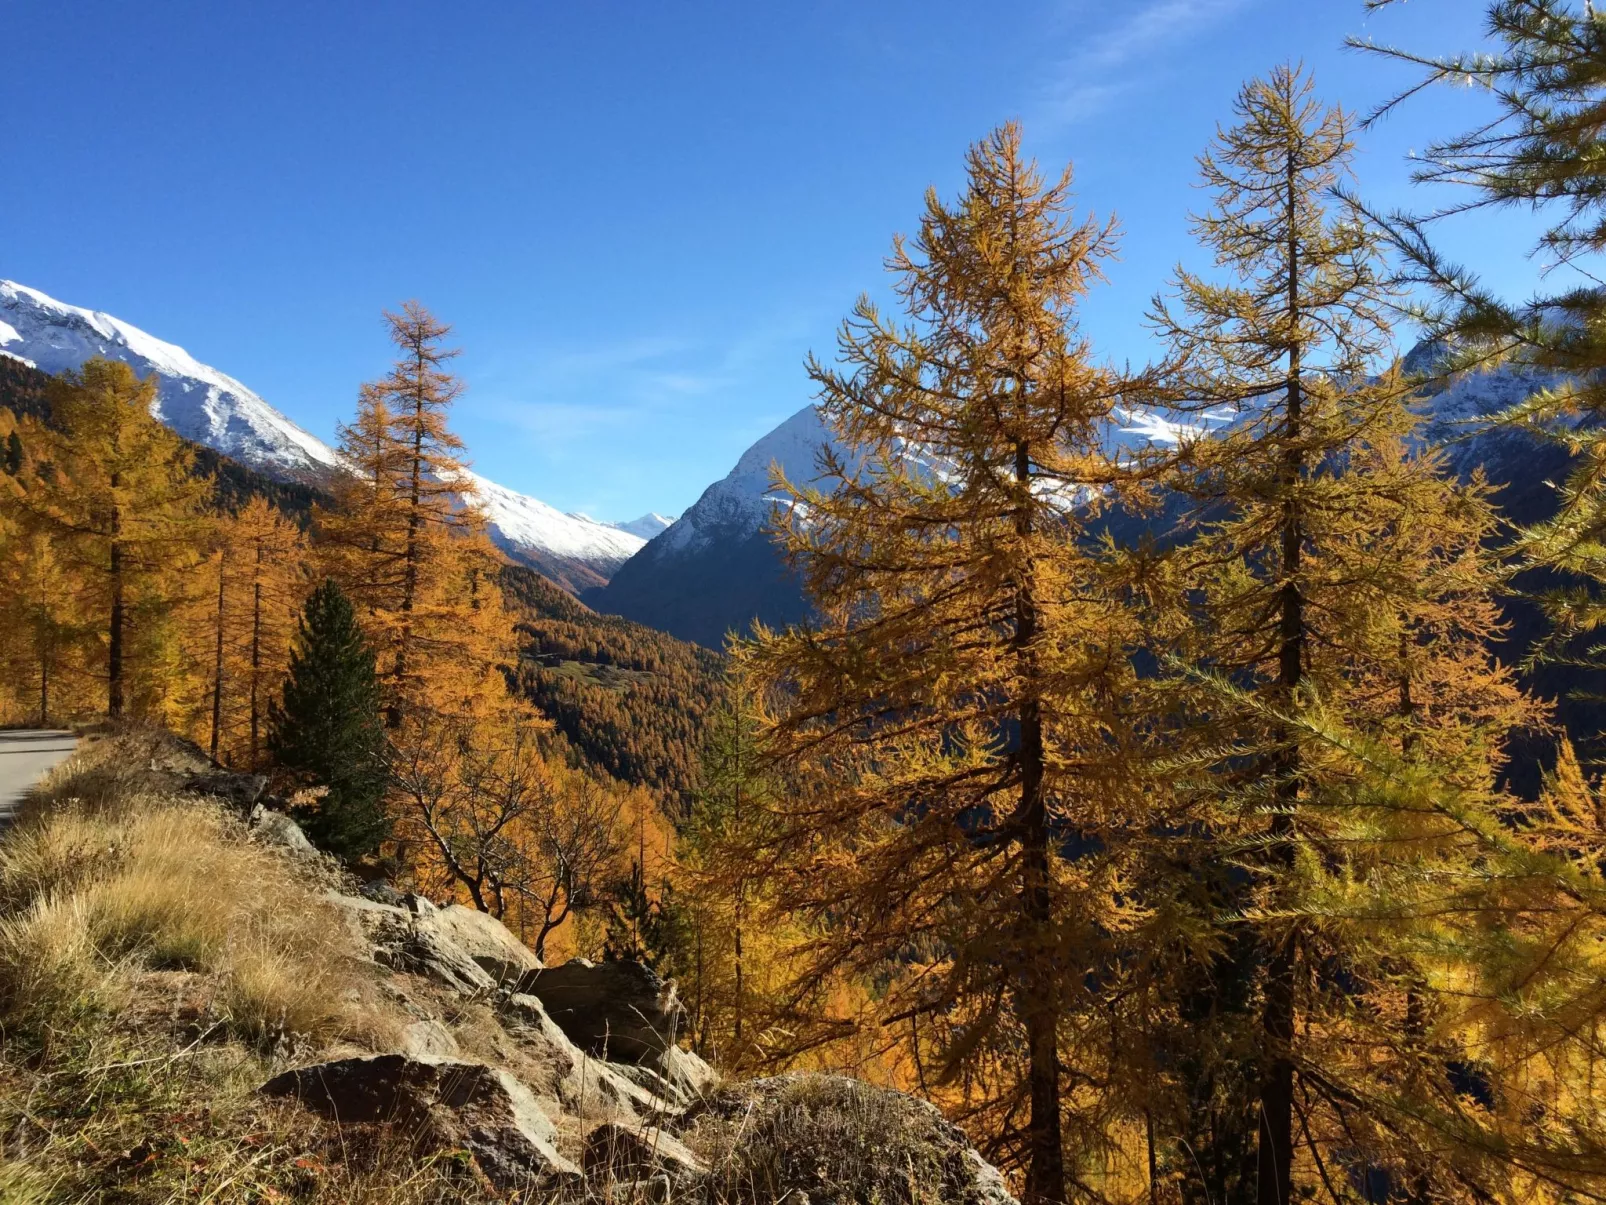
{"x": 407, "y": 541}
{"x": 269, "y": 585}
{"x": 1540, "y": 152}
{"x": 729, "y": 821}
{"x": 126, "y": 515}
{"x": 1335, "y": 569}
{"x": 967, "y": 660}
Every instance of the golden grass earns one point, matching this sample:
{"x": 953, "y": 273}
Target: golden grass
{"x": 94, "y": 888}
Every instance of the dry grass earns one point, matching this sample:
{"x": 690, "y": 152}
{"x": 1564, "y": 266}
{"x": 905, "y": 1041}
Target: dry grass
{"x": 113, "y": 879}
{"x": 155, "y": 966}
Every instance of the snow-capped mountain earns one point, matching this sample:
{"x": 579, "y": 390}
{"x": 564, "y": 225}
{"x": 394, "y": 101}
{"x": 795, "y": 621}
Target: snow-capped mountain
{"x": 714, "y": 569}
{"x": 648, "y": 526}
{"x": 575, "y": 551}
{"x": 200, "y": 403}
{"x": 211, "y": 408}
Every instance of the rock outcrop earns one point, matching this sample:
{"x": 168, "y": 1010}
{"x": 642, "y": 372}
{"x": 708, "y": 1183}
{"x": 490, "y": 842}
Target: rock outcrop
{"x": 445, "y": 1104}
{"x": 833, "y": 1138}
{"x": 581, "y": 1086}
{"x": 621, "y": 1011}
{"x": 484, "y": 939}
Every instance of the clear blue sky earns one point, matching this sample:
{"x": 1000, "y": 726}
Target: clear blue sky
{"x": 639, "y": 215}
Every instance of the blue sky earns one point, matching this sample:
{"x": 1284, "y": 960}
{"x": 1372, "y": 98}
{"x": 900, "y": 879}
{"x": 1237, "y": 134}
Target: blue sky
{"x": 639, "y": 216}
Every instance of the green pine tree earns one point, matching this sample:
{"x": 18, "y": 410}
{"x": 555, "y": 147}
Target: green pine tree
{"x": 328, "y": 729}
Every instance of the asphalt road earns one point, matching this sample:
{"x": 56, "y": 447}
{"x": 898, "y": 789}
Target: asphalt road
{"x": 25, "y": 755}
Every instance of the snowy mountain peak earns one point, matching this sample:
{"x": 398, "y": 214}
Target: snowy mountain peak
{"x": 211, "y": 408}
{"x": 197, "y": 401}
{"x": 649, "y": 525}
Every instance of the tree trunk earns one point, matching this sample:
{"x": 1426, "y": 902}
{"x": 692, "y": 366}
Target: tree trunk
{"x": 1274, "y": 1162}
{"x": 414, "y": 517}
{"x": 114, "y": 637}
{"x": 256, "y": 658}
{"x": 1035, "y": 997}
{"x": 217, "y": 657}
{"x": 45, "y": 650}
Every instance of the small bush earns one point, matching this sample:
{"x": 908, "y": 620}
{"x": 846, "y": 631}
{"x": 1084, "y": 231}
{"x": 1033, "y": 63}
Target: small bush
{"x": 835, "y": 1138}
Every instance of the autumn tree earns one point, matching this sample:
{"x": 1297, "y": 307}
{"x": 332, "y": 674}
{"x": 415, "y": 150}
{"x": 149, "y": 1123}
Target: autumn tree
{"x": 1540, "y": 152}
{"x": 406, "y": 540}
{"x": 125, "y": 514}
{"x": 730, "y": 820}
{"x": 968, "y": 658}
{"x": 268, "y": 584}
{"x": 1335, "y": 568}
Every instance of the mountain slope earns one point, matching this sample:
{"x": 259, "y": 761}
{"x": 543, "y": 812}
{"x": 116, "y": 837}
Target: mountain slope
{"x": 218, "y": 412}
{"x": 631, "y": 699}
{"x": 24, "y": 393}
{"x": 199, "y": 402}
{"x": 715, "y": 570}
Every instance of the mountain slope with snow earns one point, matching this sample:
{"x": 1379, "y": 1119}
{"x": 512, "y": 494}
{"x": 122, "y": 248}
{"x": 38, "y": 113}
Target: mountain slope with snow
{"x": 199, "y": 402}
{"x": 715, "y": 570}
{"x": 648, "y": 525}
{"x": 217, "y": 411}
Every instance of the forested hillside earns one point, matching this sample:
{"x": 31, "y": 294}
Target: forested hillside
{"x": 24, "y": 392}
{"x": 631, "y": 699}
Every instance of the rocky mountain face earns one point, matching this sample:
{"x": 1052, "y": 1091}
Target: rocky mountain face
{"x": 715, "y": 569}
{"x": 218, "y": 412}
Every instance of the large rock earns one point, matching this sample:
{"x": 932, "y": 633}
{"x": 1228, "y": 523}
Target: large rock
{"x": 406, "y": 941}
{"x": 444, "y": 1105}
{"x": 587, "y": 1086}
{"x": 275, "y": 828}
{"x": 624, "y": 1153}
{"x": 835, "y": 1139}
{"x": 620, "y": 1011}
{"x": 484, "y": 939}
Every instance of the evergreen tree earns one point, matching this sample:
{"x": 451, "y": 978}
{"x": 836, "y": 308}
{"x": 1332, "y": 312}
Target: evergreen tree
{"x": 327, "y": 729}
{"x": 13, "y": 460}
{"x": 1335, "y": 569}
{"x": 969, "y": 659}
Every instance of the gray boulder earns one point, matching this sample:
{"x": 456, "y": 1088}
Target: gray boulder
{"x": 587, "y": 1086}
{"x": 620, "y": 1011}
{"x": 275, "y": 828}
{"x": 443, "y": 1105}
{"x": 421, "y": 949}
{"x": 484, "y": 939}
{"x": 406, "y": 941}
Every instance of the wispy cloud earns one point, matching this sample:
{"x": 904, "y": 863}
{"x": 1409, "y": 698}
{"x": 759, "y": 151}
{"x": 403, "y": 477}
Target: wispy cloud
{"x": 564, "y": 396}
{"x": 1101, "y": 70}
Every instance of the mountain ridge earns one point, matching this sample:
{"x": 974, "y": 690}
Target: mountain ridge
{"x": 219, "y": 412}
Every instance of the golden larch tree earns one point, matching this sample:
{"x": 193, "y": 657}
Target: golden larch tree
{"x": 1336, "y": 574}
{"x": 961, "y": 699}
{"x": 126, "y": 515}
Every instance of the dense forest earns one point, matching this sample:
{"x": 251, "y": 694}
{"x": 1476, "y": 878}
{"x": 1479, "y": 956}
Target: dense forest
{"x": 632, "y": 700}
